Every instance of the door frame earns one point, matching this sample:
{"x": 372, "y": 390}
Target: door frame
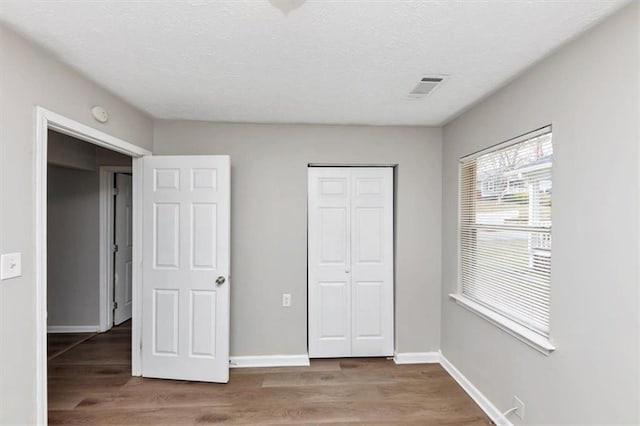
{"x": 394, "y": 168}
{"x": 46, "y": 120}
{"x": 107, "y": 219}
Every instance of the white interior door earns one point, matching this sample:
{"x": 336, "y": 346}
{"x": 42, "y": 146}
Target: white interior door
{"x": 185, "y": 267}
{"x": 350, "y": 261}
{"x": 123, "y": 256}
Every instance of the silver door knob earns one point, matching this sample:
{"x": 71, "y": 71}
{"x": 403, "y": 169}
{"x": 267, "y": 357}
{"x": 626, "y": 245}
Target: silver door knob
{"x": 220, "y": 280}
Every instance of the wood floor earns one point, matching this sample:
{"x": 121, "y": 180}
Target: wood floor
{"x": 59, "y": 343}
{"x": 90, "y": 384}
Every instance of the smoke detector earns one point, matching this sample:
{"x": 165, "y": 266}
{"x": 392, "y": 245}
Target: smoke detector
{"x": 100, "y": 114}
{"x": 426, "y": 86}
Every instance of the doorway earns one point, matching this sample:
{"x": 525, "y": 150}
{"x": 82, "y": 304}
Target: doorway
{"x": 116, "y": 227}
{"x": 45, "y": 121}
{"x": 84, "y": 213}
{"x": 77, "y": 347}
{"x": 350, "y": 262}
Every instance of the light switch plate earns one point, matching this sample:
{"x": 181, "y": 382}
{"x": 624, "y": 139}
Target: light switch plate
{"x": 10, "y": 265}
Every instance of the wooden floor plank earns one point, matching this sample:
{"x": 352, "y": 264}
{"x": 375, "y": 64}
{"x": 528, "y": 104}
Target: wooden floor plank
{"x": 91, "y": 384}
{"x": 58, "y": 343}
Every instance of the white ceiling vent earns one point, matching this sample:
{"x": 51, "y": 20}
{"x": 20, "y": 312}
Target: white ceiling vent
{"x": 425, "y": 86}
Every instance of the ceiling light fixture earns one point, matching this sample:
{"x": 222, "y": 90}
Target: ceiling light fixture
{"x": 286, "y": 6}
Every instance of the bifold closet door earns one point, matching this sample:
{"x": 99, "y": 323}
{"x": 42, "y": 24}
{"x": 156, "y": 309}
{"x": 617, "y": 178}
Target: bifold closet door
{"x": 350, "y": 260}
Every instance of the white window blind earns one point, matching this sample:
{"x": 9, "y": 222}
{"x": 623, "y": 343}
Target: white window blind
{"x": 505, "y": 229}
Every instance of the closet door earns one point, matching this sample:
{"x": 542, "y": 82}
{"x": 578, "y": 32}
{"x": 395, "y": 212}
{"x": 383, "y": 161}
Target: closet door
{"x": 329, "y": 263}
{"x": 371, "y": 261}
{"x": 350, "y": 259}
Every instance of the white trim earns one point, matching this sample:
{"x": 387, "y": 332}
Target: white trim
{"x": 73, "y": 328}
{"x": 62, "y": 124}
{"x": 480, "y": 399}
{"x": 40, "y": 265}
{"x": 269, "y": 361}
{"x": 106, "y": 243}
{"x": 393, "y": 165}
{"x": 136, "y": 279}
{"x": 45, "y": 120}
{"x": 416, "y": 358}
{"x": 521, "y": 138}
{"x": 520, "y": 332}
{"x": 106, "y": 261}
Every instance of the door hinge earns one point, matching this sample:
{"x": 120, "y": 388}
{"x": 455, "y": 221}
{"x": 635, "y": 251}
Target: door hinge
{"x": 115, "y": 191}
{"x": 115, "y": 305}
{"x": 114, "y": 248}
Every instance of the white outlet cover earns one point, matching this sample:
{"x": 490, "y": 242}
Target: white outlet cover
{"x": 10, "y": 266}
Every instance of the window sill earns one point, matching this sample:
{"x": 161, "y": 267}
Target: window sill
{"x": 536, "y": 341}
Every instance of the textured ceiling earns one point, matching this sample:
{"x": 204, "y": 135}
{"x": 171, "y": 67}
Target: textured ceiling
{"x": 322, "y": 62}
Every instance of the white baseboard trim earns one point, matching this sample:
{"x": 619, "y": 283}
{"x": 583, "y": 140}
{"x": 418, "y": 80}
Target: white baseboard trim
{"x": 483, "y": 402}
{"x": 269, "y": 361}
{"x": 73, "y": 328}
{"x": 417, "y": 358}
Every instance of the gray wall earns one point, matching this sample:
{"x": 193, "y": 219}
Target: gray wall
{"x": 73, "y": 247}
{"x": 66, "y": 151}
{"x": 29, "y": 77}
{"x": 269, "y": 222}
{"x": 589, "y": 91}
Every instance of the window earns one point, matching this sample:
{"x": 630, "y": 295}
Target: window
{"x": 505, "y": 232}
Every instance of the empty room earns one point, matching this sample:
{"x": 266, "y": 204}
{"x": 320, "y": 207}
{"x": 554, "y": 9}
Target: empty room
{"x": 311, "y": 212}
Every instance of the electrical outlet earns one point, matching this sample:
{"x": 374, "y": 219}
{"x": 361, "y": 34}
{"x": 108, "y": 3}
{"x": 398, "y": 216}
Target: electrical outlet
{"x": 517, "y": 402}
{"x": 286, "y": 300}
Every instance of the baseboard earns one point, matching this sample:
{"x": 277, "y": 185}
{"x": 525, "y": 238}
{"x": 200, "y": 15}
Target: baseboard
{"x": 416, "y": 358}
{"x": 73, "y": 328}
{"x": 269, "y": 361}
{"x": 483, "y": 402}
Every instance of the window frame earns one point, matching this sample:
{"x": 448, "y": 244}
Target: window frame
{"x": 527, "y": 335}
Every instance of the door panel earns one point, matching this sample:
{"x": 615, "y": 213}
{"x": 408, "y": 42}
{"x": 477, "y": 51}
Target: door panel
{"x": 166, "y": 238}
{"x": 329, "y": 229}
{"x": 165, "y": 317}
{"x": 203, "y": 234}
{"x": 203, "y": 313}
{"x": 333, "y": 235}
{"x": 186, "y": 204}
{"x": 369, "y": 238}
{"x": 368, "y": 313}
{"x": 372, "y": 268}
{"x": 334, "y": 310}
{"x": 166, "y": 179}
{"x": 350, "y": 261}
{"x": 123, "y": 257}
